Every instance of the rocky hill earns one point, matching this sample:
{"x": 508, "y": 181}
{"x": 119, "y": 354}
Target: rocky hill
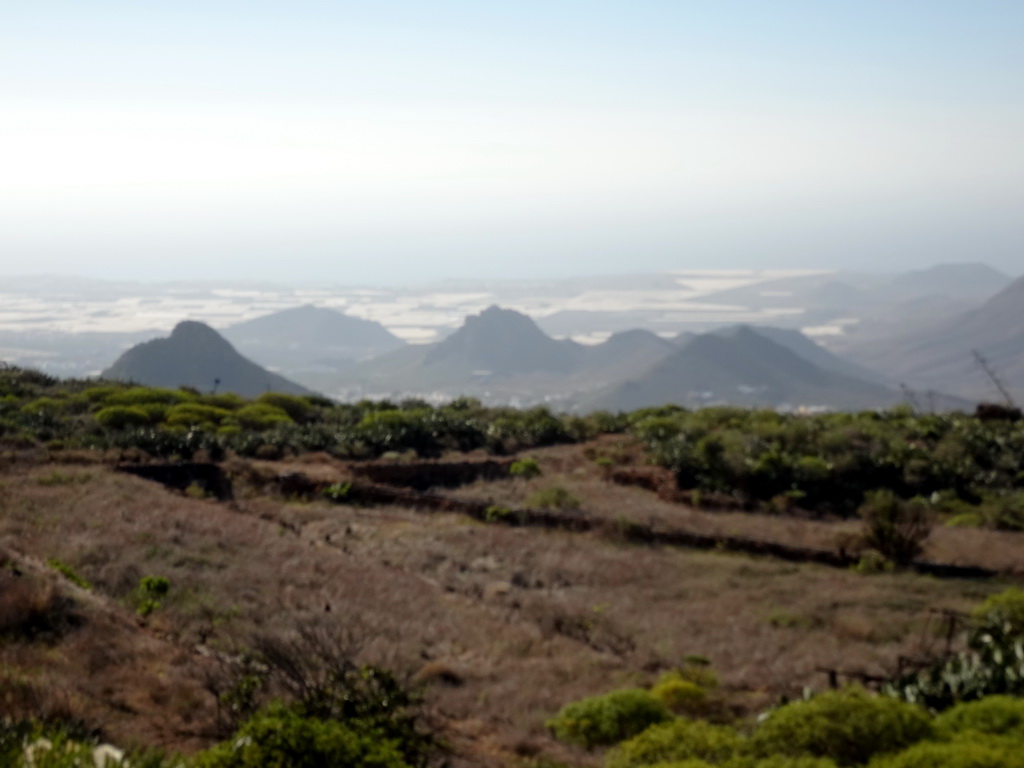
{"x": 504, "y": 342}
{"x": 195, "y": 355}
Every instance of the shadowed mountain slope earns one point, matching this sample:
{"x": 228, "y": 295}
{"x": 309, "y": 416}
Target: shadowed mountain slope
{"x": 742, "y": 367}
{"x": 806, "y": 348}
{"x": 197, "y": 356}
{"x": 941, "y": 356}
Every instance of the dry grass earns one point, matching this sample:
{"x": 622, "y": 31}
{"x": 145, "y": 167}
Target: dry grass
{"x": 502, "y": 626}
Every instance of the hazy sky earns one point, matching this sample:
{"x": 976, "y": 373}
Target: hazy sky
{"x": 399, "y": 141}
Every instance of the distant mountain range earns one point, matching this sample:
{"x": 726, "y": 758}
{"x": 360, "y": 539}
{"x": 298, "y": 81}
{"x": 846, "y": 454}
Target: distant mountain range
{"x": 503, "y": 355}
{"x": 871, "y": 334}
{"x": 941, "y": 355}
{"x": 197, "y": 356}
{"x": 741, "y": 366}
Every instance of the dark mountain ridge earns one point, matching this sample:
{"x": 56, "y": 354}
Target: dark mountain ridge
{"x": 741, "y": 366}
{"x": 195, "y": 355}
{"x": 504, "y": 342}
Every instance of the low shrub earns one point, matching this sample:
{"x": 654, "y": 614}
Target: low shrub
{"x": 122, "y": 417}
{"x": 150, "y": 593}
{"x": 895, "y": 528}
{"x": 261, "y": 416}
{"x": 850, "y": 726}
{"x": 681, "y": 696}
{"x": 774, "y": 761}
{"x": 525, "y": 468}
{"x": 1000, "y": 715}
{"x": 279, "y": 737}
{"x": 957, "y": 754}
{"x": 339, "y": 493}
{"x": 1002, "y": 612}
{"x": 675, "y": 741}
{"x": 608, "y": 719}
{"x": 497, "y": 514}
{"x": 30, "y": 610}
{"x": 554, "y": 497}
{"x": 196, "y": 416}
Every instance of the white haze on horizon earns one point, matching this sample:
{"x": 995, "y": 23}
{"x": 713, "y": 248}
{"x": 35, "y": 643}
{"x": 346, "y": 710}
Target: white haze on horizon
{"x": 394, "y": 143}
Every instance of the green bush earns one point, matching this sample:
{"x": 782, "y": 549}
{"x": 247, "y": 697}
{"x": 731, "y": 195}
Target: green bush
{"x": 229, "y": 401}
{"x": 340, "y": 492}
{"x": 142, "y": 395}
{"x": 895, "y": 528}
{"x": 957, "y": 754}
{"x": 746, "y": 761}
{"x": 261, "y": 416}
{"x": 299, "y": 409}
{"x": 681, "y": 696}
{"x": 608, "y": 719}
{"x": 48, "y": 405}
{"x": 1000, "y": 715}
{"x": 697, "y": 669}
{"x": 395, "y": 430}
{"x": 278, "y": 737}
{"x": 553, "y": 497}
{"x": 497, "y": 514}
{"x": 525, "y": 468}
{"x": 1002, "y": 612}
{"x": 122, "y": 417}
{"x": 849, "y": 726}
{"x": 675, "y": 741}
{"x": 150, "y": 593}
{"x": 196, "y": 415}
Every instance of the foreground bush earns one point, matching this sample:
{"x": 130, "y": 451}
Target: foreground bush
{"x": 895, "y": 528}
{"x": 677, "y": 741}
{"x": 279, "y": 737}
{"x": 752, "y": 762}
{"x": 957, "y": 754}
{"x": 1002, "y": 612}
{"x": 609, "y": 719}
{"x": 997, "y": 715}
{"x": 681, "y": 696}
{"x": 849, "y": 726}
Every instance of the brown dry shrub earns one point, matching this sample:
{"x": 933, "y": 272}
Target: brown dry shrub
{"x": 23, "y": 699}
{"x": 30, "y": 609}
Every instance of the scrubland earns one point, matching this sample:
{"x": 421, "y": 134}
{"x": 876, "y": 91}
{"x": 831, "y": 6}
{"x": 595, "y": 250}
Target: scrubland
{"x": 164, "y": 614}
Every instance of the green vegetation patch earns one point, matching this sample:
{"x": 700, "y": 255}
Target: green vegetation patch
{"x": 608, "y": 719}
{"x": 849, "y": 726}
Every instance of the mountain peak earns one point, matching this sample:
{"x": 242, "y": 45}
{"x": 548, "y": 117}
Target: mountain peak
{"x": 195, "y": 355}
{"x": 503, "y": 341}
{"x": 195, "y": 331}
